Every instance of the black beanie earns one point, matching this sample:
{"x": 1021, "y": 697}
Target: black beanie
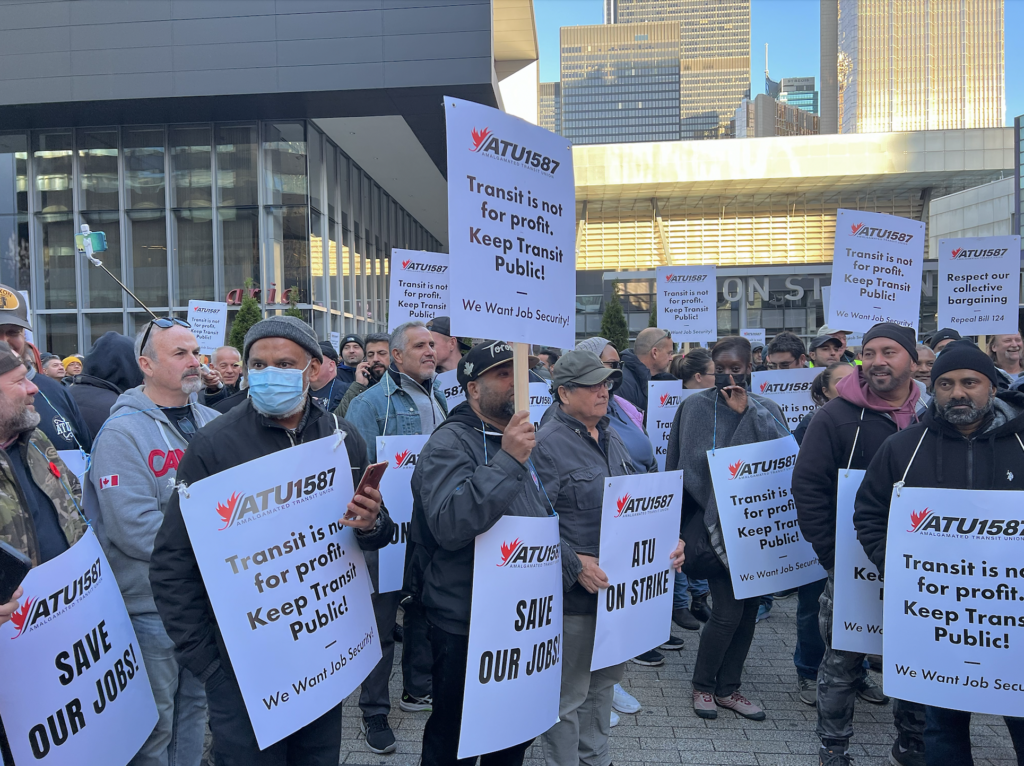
{"x": 964, "y": 355}
{"x": 903, "y": 335}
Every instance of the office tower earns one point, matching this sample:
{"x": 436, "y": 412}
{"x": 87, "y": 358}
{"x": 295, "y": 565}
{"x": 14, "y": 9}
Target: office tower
{"x": 915, "y": 65}
{"x": 714, "y": 53}
{"x": 829, "y": 66}
{"x": 799, "y": 92}
{"x": 764, "y": 116}
{"x": 620, "y": 83}
{"x": 550, "y": 106}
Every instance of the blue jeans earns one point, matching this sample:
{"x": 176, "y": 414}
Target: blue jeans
{"x": 686, "y": 590}
{"x": 810, "y": 647}
{"x": 180, "y": 698}
{"x": 947, "y": 737}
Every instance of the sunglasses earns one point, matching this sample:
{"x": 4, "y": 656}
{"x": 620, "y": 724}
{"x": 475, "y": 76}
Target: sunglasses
{"x": 613, "y": 365}
{"x": 163, "y": 324}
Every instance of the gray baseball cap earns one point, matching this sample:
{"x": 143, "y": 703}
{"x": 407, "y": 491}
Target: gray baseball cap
{"x": 583, "y": 368}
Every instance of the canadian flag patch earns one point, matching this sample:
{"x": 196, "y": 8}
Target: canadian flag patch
{"x": 106, "y": 482}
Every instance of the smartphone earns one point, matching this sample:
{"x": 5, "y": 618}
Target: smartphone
{"x": 14, "y": 565}
{"x": 372, "y": 476}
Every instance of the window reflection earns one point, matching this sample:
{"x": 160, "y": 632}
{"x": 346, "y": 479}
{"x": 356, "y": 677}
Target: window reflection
{"x": 148, "y": 235}
{"x": 191, "y": 167}
{"x": 57, "y": 239}
{"x": 285, "y": 159}
{"x": 51, "y": 153}
{"x": 144, "y": 167}
{"x": 97, "y": 165}
{"x": 99, "y": 290}
{"x": 193, "y": 236}
{"x": 288, "y": 253}
{"x": 236, "y": 165}
{"x": 240, "y": 238}
{"x": 60, "y": 333}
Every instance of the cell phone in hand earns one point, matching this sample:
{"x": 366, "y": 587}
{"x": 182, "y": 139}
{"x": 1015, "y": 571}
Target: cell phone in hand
{"x": 14, "y": 565}
{"x": 372, "y": 476}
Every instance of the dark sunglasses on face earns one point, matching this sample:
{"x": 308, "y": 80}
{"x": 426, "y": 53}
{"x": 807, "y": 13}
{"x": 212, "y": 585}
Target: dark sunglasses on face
{"x": 163, "y": 324}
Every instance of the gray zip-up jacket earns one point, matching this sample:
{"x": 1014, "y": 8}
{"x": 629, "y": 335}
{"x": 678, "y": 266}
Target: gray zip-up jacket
{"x": 573, "y": 467}
{"x": 134, "y": 463}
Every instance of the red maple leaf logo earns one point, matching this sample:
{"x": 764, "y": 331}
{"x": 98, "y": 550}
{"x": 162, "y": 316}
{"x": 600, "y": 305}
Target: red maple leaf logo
{"x": 916, "y": 517}
{"x": 20, "y": 617}
{"x": 734, "y": 469}
{"x": 405, "y": 264}
{"x": 957, "y": 252}
{"x": 227, "y": 511}
{"x": 664, "y": 398}
{"x": 400, "y": 458}
{"x": 479, "y": 136}
{"x": 764, "y": 385}
{"x": 668, "y": 277}
{"x": 507, "y": 549}
{"x": 621, "y": 504}
{"x": 857, "y": 227}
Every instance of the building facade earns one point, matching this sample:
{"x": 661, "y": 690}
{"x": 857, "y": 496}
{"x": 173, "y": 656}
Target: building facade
{"x": 764, "y": 116}
{"x": 620, "y": 83}
{"x": 799, "y": 92}
{"x": 915, "y": 65}
{"x": 549, "y": 109}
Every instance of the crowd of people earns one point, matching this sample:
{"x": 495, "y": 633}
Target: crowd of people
{"x": 152, "y": 413}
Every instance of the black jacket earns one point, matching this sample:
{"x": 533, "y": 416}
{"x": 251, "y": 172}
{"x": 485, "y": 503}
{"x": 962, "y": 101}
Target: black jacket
{"x": 94, "y": 397}
{"x": 59, "y": 416}
{"x": 992, "y": 458}
{"x": 346, "y": 377}
{"x": 329, "y": 397}
{"x": 230, "y": 440}
{"x": 232, "y": 401}
{"x": 110, "y": 369}
{"x": 635, "y": 377}
{"x": 825, "y": 449}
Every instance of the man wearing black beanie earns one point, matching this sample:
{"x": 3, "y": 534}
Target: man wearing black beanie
{"x": 967, "y": 409}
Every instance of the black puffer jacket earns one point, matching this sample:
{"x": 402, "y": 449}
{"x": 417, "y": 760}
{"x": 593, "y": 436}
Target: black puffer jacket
{"x": 991, "y": 458}
{"x": 635, "y": 377}
{"x": 110, "y": 369}
{"x": 237, "y": 437}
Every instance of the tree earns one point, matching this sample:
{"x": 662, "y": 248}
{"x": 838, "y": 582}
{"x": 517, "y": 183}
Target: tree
{"x": 293, "y": 305}
{"x": 249, "y": 313}
{"x": 653, "y": 319}
{"x": 613, "y": 321}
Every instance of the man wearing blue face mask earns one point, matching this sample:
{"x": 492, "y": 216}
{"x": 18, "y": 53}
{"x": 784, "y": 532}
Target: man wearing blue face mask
{"x": 282, "y": 355}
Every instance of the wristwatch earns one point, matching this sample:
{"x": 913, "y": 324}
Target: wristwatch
{"x": 377, "y": 524}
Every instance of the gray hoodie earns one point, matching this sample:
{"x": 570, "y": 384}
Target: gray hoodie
{"x": 130, "y": 480}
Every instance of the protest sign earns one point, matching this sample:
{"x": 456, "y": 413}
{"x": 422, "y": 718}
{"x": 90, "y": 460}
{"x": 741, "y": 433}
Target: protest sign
{"x": 515, "y": 635}
{"x": 756, "y": 337}
{"x": 419, "y": 287}
{"x": 401, "y": 452}
{"x": 953, "y": 587}
{"x": 790, "y": 389}
{"x": 511, "y": 228}
{"x": 75, "y": 460}
{"x": 876, "y": 271}
{"x": 453, "y": 392}
{"x": 663, "y": 399}
{"x": 336, "y": 342}
{"x": 75, "y": 689}
{"x": 857, "y": 598}
{"x": 639, "y": 531}
{"x": 286, "y": 580}
{"x": 979, "y": 284}
{"x": 540, "y": 400}
{"x": 686, "y": 302}
{"x": 29, "y": 337}
{"x": 757, "y": 513}
{"x": 209, "y": 320}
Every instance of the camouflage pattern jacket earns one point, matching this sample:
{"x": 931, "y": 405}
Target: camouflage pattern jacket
{"x": 16, "y": 525}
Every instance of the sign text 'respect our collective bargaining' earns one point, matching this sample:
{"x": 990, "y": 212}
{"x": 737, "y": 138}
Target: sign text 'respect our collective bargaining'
{"x": 954, "y": 583}
{"x": 979, "y": 284}
{"x": 286, "y": 580}
{"x": 511, "y": 228}
{"x": 876, "y": 271}
{"x": 757, "y": 512}
{"x": 686, "y": 302}
{"x": 419, "y": 287}
{"x": 75, "y": 689}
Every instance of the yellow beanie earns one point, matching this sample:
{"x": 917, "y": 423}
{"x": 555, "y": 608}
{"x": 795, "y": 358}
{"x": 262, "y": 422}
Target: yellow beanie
{"x": 68, "y": 360}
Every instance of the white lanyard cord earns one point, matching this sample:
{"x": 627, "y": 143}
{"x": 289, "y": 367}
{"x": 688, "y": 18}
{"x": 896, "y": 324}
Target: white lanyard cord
{"x": 856, "y": 436}
{"x": 899, "y": 485}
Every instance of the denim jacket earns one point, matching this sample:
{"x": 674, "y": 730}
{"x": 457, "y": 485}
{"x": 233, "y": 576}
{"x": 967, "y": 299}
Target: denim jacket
{"x": 386, "y": 410}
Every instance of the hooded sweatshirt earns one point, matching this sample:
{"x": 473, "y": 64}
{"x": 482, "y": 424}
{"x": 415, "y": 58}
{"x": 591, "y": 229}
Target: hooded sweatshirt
{"x": 855, "y": 390}
{"x": 110, "y": 369}
{"x": 130, "y": 481}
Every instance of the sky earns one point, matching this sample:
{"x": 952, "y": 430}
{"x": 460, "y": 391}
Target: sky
{"x": 790, "y": 27}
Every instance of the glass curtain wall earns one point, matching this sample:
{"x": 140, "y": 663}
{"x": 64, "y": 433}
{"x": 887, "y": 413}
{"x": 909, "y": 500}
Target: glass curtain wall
{"x": 204, "y": 211}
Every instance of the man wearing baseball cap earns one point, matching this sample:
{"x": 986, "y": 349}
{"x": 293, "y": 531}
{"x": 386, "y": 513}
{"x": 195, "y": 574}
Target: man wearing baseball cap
{"x": 845, "y": 355}
{"x": 59, "y": 417}
{"x": 282, "y": 355}
{"x": 471, "y": 472}
{"x": 576, "y": 451}
{"x": 944, "y": 451}
{"x": 327, "y": 389}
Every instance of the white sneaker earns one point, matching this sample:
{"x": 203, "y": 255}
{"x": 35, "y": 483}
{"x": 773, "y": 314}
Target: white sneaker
{"x": 615, "y": 720}
{"x": 624, "y": 702}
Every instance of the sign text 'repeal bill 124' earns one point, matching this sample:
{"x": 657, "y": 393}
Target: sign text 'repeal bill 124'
{"x": 511, "y": 228}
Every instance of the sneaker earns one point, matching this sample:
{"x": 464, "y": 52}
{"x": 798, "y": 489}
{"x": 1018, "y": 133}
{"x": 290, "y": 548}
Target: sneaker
{"x": 907, "y": 752}
{"x": 739, "y": 704}
{"x": 651, "y": 659}
{"x": 398, "y": 633}
{"x": 704, "y": 705}
{"x": 699, "y": 608}
{"x": 412, "y": 704}
{"x": 673, "y": 644}
{"x": 685, "y": 619}
{"x": 763, "y": 612}
{"x": 379, "y": 737}
{"x": 835, "y": 755}
{"x": 808, "y": 689}
{"x": 869, "y": 691}
{"x": 625, "y": 702}
{"x": 614, "y": 722}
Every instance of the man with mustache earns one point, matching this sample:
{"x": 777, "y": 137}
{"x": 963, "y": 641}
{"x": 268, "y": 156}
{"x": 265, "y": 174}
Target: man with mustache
{"x": 131, "y": 480}
{"x": 369, "y": 371}
{"x": 945, "y": 450}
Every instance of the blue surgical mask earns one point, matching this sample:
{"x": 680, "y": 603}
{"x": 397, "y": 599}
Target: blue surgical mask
{"x": 276, "y": 392}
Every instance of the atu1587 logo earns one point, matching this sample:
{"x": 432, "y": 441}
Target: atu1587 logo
{"x": 406, "y": 459}
{"x": 519, "y": 554}
{"x": 241, "y": 508}
{"x": 871, "y": 232}
{"x": 35, "y": 611}
{"x": 670, "y": 400}
{"x": 741, "y": 469}
{"x": 685, "y": 277}
{"x": 782, "y": 388}
{"x": 410, "y": 265}
{"x": 627, "y": 505}
{"x": 929, "y": 522}
{"x": 485, "y": 142}
{"x": 997, "y": 252}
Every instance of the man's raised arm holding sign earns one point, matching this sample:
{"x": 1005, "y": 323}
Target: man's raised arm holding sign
{"x": 282, "y": 355}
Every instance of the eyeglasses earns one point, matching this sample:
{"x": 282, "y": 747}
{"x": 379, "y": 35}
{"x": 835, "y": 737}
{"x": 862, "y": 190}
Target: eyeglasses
{"x": 598, "y": 386}
{"x": 613, "y": 365}
{"x": 163, "y": 324}
{"x": 186, "y": 427}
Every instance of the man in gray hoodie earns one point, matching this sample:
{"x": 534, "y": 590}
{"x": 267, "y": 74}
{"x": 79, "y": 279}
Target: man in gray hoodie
{"x": 131, "y": 479}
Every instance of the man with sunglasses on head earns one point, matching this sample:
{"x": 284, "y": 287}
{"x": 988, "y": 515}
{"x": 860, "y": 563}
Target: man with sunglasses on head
{"x": 134, "y": 464}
